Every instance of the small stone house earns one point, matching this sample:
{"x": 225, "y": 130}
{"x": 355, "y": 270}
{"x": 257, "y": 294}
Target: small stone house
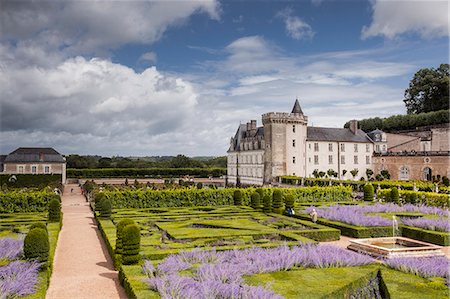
{"x": 35, "y": 160}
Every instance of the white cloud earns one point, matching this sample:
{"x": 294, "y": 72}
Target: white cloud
{"x": 392, "y": 18}
{"x": 149, "y": 57}
{"x": 295, "y": 27}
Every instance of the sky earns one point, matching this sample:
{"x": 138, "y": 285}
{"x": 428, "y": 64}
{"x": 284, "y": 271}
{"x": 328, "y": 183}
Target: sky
{"x": 144, "y": 78}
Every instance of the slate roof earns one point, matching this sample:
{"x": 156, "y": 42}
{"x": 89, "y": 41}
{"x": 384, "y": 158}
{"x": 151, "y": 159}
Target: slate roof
{"x": 297, "y": 108}
{"x": 335, "y": 134}
{"x": 34, "y": 154}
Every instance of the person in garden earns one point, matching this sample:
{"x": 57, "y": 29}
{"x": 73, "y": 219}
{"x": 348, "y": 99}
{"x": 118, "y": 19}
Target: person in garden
{"x": 313, "y": 215}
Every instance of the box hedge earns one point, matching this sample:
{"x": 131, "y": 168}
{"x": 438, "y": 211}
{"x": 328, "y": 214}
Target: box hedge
{"x": 36, "y": 245}
{"x": 427, "y": 198}
{"x": 131, "y": 242}
{"x": 144, "y": 172}
{"x": 24, "y": 202}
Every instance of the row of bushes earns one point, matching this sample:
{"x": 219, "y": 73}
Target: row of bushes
{"x": 358, "y": 185}
{"x": 414, "y": 197}
{"x": 145, "y": 172}
{"x": 219, "y": 197}
{"x": 30, "y": 180}
{"x": 23, "y": 202}
{"x": 403, "y": 122}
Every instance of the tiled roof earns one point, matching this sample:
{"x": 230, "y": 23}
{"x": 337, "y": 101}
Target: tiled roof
{"x": 335, "y": 134}
{"x": 34, "y": 154}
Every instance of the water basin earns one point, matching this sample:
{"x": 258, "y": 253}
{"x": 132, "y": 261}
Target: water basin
{"x": 390, "y": 247}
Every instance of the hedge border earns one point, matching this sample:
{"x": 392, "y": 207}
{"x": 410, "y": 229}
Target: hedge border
{"x": 429, "y": 236}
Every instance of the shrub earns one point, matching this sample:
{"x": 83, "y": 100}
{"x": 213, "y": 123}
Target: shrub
{"x": 260, "y": 192}
{"x": 237, "y": 198}
{"x": 394, "y": 197}
{"x": 368, "y": 192}
{"x": 267, "y": 202}
{"x": 119, "y": 233}
{"x": 411, "y": 197}
{"x": 289, "y": 201}
{"x": 36, "y": 245}
{"x": 98, "y": 198}
{"x": 277, "y": 202}
{"x": 255, "y": 200}
{"x": 131, "y": 240}
{"x": 25, "y": 202}
{"x": 445, "y": 181}
{"x": 199, "y": 185}
{"x": 144, "y": 172}
{"x": 40, "y": 225}
{"x": 54, "y": 210}
{"x": 105, "y": 208}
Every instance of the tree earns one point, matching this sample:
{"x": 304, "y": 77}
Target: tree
{"x": 428, "y": 90}
{"x": 354, "y": 172}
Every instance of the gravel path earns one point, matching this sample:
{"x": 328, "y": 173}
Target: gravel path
{"x": 82, "y": 266}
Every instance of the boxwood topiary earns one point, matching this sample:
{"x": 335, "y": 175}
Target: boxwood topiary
{"x": 394, "y": 197}
{"x": 98, "y": 198}
{"x": 368, "y": 192}
{"x": 289, "y": 201}
{"x": 237, "y": 196}
{"x": 36, "y": 245}
{"x": 267, "y": 202}
{"x": 54, "y": 210}
{"x": 119, "y": 233}
{"x": 105, "y": 208}
{"x": 255, "y": 200}
{"x": 260, "y": 192}
{"x": 40, "y": 225}
{"x": 277, "y": 202}
{"x": 131, "y": 240}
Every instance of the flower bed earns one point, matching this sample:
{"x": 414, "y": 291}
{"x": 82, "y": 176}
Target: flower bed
{"x": 423, "y": 267}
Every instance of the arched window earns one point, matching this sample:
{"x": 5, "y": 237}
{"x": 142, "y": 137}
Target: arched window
{"x": 404, "y": 173}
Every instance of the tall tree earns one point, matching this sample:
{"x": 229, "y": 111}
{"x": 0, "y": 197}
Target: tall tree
{"x": 428, "y": 90}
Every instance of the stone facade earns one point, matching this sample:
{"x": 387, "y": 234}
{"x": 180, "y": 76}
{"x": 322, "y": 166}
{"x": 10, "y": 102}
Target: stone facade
{"x": 35, "y": 161}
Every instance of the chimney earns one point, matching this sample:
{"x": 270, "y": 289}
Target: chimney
{"x": 41, "y": 157}
{"x": 248, "y": 126}
{"x": 353, "y": 126}
{"x": 253, "y": 127}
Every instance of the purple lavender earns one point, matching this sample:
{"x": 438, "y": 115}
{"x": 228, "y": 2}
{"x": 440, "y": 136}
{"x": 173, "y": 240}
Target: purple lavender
{"x": 10, "y": 249}
{"x": 220, "y": 274}
{"x": 422, "y": 266}
{"x": 18, "y": 279}
{"x": 440, "y": 224}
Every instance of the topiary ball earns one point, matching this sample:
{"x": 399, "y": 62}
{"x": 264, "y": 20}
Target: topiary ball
{"x": 289, "y": 201}
{"x": 105, "y": 208}
{"x": 40, "y": 225}
{"x": 119, "y": 233}
{"x": 237, "y": 196}
{"x": 36, "y": 245}
{"x": 54, "y": 210}
{"x": 368, "y": 192}
{"x": 395, "y": 198}
{"x": 267, "y": 204}
{"x": 255, "y": 200}
{"x": 98, "y": 198}
{"x": 131, "y": 244}
{"x": 277, "y": 202}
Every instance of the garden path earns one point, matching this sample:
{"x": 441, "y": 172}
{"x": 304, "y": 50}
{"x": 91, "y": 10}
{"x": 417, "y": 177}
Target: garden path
{"x": 82, "y": 266}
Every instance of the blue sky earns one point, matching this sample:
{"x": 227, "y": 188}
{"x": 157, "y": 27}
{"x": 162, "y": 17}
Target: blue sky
{"x": 162, "y": 78}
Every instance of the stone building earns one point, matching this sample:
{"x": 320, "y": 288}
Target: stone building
{"x": 30, "y": 160}
{"x": 285, "y": 145}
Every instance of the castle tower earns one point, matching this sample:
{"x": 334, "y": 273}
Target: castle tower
{"x": 285, "y": 141}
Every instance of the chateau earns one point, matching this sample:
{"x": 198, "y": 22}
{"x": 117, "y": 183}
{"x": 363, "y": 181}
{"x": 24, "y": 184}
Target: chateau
{"x": 286, "y": 145}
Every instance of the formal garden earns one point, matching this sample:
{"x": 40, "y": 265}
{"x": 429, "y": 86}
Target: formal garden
{"x": 247, "y": 243}
{"x": 30, "y": 221}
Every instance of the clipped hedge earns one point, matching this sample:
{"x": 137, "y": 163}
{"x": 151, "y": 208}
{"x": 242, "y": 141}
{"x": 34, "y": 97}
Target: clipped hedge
{"x": 368, "y": 192}
{"x": 36, "y": 245}
{"x": 144, "y": 172}
{"x": 105, "y": 208}
{"x": 426, "y": 198}
{"x": 267, "y": 204}
{"x": 54, "y": 210}
{"x": 429, "y": 236}
{"x": 119, "y": 233}
{"x": 31, "y": 180}
{"x": 131, "y": 241}
{"x": 219, "y": 197}
{"x": 24, "y": 202}
{"x": 255, "y": 200}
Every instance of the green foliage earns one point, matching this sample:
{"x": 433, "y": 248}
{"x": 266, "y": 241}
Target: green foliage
{"x": 145, "y": 172}
{"x": 39, "y": 181}
{"x": 255, "y": 201}
{"x": 131, "y": 240}
{"x": 445, "y": 181}
{"x": 98, "y": 198}
{"x": 385, "y": 174}
{"x": 260, "y": 192}
{"x": 429, "y": 236}
{"x": 277, "y": 201}
{"x": 237, "y": 197}
{"x": 289, "y": 201}
{"x": 368, "y": 192}
{"x": 88, "y": 186}
{"x": 119, "y": 233}
{"x": 199, "y": 185}
{"x": 369, "y": 173}
{"x": 54, "y": 210}
{"x": 419, "y": 197}
{"x": 267, "y": 204}
{"x": 105, "y": 208}
{"x": 428, "y": 90}
{"x": 31, "y": 201}
{"x": 354, "y": 172}
{"x": 36, "y": 245}
{"x": 40, "y": 225}
{"x": 394, "y": 196}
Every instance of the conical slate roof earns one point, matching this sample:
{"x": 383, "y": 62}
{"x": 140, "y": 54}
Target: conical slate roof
{"x": 297, "y": 108}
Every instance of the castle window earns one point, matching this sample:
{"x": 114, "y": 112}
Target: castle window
{"x": 316, "y": 159}
{"x": 342, "y": 159}
{"x": 367, "y": 148}
{"x": 309, "y": 146}
{"x": 404, "y": 173}
{"x": 293, "y": 142}
{"x": 342, "y": 147}
{"x": 293, "y": 128}
{"x": 20, "y": 169}
{"x": 34, "y": 169}
{"x": 46, "y": 169}
{"x": 316, "y": 147}
{"x": 367, "y": 159}
{"x": 330, "y": 147}
{"x": 377, "y": 147}
{"x": 330, "y": 159}
{"x": 293, "y": 160}
{"x": 309, "y": 159}
{"x": 355, "y": 159}
{"x": 356, "y": 147}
